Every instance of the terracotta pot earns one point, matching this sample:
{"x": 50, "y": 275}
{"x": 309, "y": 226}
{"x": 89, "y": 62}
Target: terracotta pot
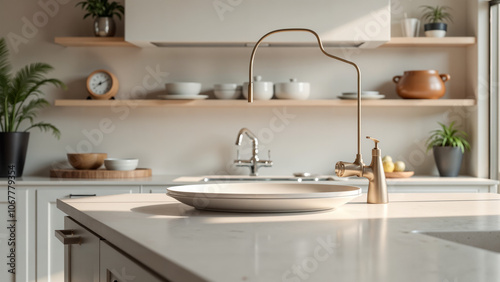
{"x": 421, "y": 84}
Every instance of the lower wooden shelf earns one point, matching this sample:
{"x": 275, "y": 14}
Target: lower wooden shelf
{"x": 93, "y": 42}
{"x": 268, "y": 103}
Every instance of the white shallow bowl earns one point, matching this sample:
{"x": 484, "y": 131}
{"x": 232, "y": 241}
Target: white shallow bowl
{"x": 226, "y": 86}
{"x": 292, "y": 90}
{"x": 121, "y": 164}
{"x": 183, "y": 88}
{"x": 227, "y": 94}
{"x": 264, "y": 197}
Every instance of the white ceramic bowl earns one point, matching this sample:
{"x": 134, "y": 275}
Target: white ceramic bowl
{"x": 292, "y": 90}
{"x": 262, "y": 90}
{"x": 226, "y": 86}
{"x": 183, "y": 88}
{"x": 227, "y": 94}
{"x": 121, "y": 164}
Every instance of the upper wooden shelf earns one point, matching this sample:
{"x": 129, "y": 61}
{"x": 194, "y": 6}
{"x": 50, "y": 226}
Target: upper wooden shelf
{"x": 93, "y": 42}
{"x": 394, "y": 42}
{"x": 269, "y": 103}
{"x": 430, "y": 41}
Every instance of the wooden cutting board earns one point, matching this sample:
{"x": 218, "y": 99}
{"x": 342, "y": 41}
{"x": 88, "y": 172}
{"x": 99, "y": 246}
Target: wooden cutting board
{"x": 100, "y": 173}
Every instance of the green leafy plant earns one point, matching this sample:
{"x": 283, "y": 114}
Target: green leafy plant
{"x": 20, "y": 94}
{"x": 101, "y": 8}
{"x": 437, "y": 14}
{"x": 448, "y": 136}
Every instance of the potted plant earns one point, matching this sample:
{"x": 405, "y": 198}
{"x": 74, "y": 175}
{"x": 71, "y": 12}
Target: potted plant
{"x": 20, "y": 99}
{"x": 448, "y": 145}
{"x": 102, "y": 11}
{"x": 435, "y": 18}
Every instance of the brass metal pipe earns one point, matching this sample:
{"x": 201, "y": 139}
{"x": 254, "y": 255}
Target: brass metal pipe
{"x": 377, "y": 186}
{"x": 250, "y": 77}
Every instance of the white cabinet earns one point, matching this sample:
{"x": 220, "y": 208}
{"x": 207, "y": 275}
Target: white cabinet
{"x": 365, "y": 24}
{"x": 118, "y": 267}
{"x": 22, "y": 239}
{"x": 50, "y": 252}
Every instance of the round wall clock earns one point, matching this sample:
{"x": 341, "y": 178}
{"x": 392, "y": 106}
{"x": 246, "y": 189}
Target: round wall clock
{"x": 102, "y": 85}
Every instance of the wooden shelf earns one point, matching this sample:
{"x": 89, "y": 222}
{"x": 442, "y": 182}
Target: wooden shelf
{"x": 93, "y": 42}
{"x": 269, "y": 103}
{"x": 394, "y": 42}
{"x": 430, "y": 41}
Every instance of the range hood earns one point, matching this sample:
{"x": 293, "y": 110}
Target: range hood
{"x": 240, "y": 23}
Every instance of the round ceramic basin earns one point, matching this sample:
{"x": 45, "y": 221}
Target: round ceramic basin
{"x": 264, "y": 197}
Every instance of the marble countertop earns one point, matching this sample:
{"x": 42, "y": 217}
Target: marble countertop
{"x": 358, "y": 242}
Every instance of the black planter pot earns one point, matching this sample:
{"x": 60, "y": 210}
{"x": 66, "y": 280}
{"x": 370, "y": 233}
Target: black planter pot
{"x": 13, "y": 148}
{"x": 448, "y": 160}
{"x": 435, "y": 26}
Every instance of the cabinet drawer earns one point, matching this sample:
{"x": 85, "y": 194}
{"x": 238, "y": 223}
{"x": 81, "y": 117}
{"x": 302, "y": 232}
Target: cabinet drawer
{"x": 118, "y": 267}
{"x": 81, "y": 259}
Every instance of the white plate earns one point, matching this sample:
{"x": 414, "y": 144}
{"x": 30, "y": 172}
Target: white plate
{"x": 264, "y": 197}
{"x": 183, "y": 97}
{"x": 363, "y": 97}
{"x": 365, "y": 92}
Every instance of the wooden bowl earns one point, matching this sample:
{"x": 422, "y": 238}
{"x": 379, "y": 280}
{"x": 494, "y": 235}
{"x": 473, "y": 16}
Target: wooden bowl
{"x": 399, "y": 174}
{"x": 87, "y": 160}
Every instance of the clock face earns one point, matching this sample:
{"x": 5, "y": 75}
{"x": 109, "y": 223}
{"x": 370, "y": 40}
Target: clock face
{"x": 100, "y": 83}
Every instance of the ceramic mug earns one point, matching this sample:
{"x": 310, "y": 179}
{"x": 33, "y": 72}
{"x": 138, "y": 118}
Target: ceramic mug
{"x": 421, "y": 84}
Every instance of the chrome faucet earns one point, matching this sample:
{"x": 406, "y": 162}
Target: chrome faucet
{"x": 377, "y": 187}
{"x": 254, "y": 162}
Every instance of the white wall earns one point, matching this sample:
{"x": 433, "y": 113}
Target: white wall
{"x": 201, "y": 140}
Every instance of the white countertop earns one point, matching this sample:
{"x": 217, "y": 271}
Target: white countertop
{"x": 358, "y": 242}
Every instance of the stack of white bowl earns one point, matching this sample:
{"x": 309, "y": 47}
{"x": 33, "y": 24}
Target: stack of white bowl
{"x": 227, "y": 91}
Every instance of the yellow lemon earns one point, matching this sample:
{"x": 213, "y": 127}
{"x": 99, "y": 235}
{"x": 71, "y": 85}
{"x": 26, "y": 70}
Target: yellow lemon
{"x": 388, "y": 166}
{"x": 387, "y": 159}
{"x": 399, "y": 166}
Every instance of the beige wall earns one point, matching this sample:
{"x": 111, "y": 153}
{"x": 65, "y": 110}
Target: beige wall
{"x": 201, "y": 141}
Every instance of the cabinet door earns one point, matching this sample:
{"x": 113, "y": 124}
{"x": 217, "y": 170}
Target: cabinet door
{"x": 5, "y": 234}
{"x": 50, "y": 252}
{"x": 118, "y": 267}
{"x": 81, "y": 258}
{"x": 22, "y": 239}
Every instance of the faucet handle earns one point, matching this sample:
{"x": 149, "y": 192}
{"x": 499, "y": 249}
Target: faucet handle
{"x": 374, "y": 140}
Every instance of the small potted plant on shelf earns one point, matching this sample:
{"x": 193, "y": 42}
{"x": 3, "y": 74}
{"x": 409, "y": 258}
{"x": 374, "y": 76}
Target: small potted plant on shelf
{"x": 20, "y": 99}
{"x": 102, "y": 11}
{"x": 435, "y": 18}
{"x": 448, "y": 145}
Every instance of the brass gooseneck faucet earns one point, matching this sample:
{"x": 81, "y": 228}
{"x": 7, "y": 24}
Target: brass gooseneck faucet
{"x": 377, "y": 187}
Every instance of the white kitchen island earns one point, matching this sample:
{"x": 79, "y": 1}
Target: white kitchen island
{"x": 358, "y": 242}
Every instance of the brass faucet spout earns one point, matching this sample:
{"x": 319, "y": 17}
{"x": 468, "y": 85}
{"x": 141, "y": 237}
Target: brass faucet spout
{"x": 377, "y": 188}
